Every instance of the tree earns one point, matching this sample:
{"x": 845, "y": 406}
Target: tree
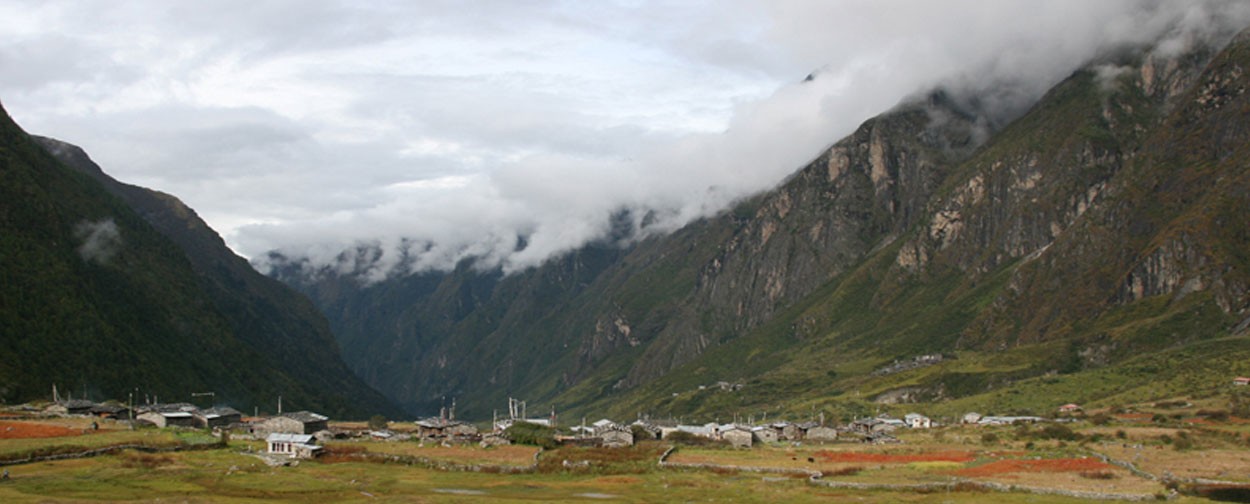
{"x": 378, "y": 422}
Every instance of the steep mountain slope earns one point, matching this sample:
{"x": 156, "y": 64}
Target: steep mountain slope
{"x": 622, "y": 315}
{"x": 1106, "y": 223}
{"x": 115, "y": 288}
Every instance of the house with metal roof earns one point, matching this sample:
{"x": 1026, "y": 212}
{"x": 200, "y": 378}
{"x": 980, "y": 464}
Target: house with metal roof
{"x": 292, "y": 445}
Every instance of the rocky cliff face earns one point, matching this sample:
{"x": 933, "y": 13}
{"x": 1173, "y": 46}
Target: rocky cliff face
{"x": 929, "y": 229}
{"x": 862, "y": 193}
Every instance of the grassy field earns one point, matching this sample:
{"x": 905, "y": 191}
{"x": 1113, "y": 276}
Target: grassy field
{"x": 571, "y": 474}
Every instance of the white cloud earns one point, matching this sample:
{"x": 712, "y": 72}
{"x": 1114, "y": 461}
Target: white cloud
{"x": 440, "y": 130}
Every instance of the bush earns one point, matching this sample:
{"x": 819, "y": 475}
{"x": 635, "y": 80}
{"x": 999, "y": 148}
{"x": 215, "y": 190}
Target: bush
{"x": 378, "y": 422}
{"x": 1183, "y": 441}
{"x": 641, "y": 433}
{"x": 1216, "y": 415}
{"x": 1120, "y": 434}
{"x": 686, "y": 438}
{"x": 1060, "y": 432}
{"x": 989, "y": 438}
{"x": 1100, "y": 419}
{"x": 845, "y": 471}
{"x": 532, "y": 434}
{"x": 1098, "y": 475}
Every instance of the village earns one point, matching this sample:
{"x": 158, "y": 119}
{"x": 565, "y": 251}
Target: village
{"x": 302, "y": 434}
{"x": 1163, "y": 449}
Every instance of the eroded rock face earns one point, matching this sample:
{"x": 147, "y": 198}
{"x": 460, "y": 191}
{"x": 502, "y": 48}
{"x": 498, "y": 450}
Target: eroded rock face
{"x": 859, "y": 194}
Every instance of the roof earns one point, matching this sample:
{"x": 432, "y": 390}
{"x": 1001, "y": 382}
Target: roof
{"x": 603, "y": 423}
{"x": 76, "y": 403}
{"x": 283, "y": 437}
{"x": 107, "y": 408}
{"x": 911, "y": 416}
{"x": 174, "y": 407}
{"x": 306, "y": 416}
{"x": 174, "y": 414}
{"x": 219, "y": 411}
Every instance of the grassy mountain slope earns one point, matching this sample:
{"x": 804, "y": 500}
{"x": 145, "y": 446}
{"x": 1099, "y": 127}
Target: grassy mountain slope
{"x": 94, "y": 296}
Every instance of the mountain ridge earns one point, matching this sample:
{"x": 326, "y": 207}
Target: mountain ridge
{"x": 1053, "y": 246}
{"x": 96, "y": 293}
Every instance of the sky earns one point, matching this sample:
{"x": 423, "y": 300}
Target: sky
{"x": 434, "y": 131}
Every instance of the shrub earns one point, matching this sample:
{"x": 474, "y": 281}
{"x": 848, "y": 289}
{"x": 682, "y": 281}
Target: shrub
{"x": 1216, "y": 415}
{"x": 1183, "y": 441}
{"x": 845, "y": 471}
{"x": 1060, "y": 432}
{"x": 1098, "y": 475}
{"x": 989, "y": 438}
{"x": 641, "y": 433}
{"x": 686, "y": 438}
{"x": 133, "y": 460}
{"x": 1120, "y": 434}
{"x": 1100, "y": 419}
{"x": 532, "y": 434}
{"x": 378, "y": 422}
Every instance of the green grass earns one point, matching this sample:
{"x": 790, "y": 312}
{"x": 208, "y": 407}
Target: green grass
{"x": 226, "y": 476}
{"x": 12, "y": 449}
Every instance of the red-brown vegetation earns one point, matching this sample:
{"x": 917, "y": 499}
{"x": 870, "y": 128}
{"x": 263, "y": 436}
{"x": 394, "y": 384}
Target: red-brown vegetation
{"x": 1079, "y": 465}
{"x": 26, "y": 430}
{"x": 901, "y": 458}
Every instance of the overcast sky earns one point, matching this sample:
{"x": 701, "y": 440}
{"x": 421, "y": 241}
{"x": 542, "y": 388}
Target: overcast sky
{"x": 446, "y": 129}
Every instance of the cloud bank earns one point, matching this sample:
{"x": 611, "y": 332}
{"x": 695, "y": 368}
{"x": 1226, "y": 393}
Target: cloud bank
{"x": 441, "y": 131}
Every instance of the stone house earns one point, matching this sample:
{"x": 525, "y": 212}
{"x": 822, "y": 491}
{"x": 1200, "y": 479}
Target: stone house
{"x": 917, "y": 421}
{"x": 113, "y": 411}
{"x": 71, "y": 407}
{"x": 765, "y": 434}
{"x": 299, "y": 422}
{"x": 292, "y": 445}
{"x": 737, "y": 437}
{"x": 169, "y": 418}
{"x": 821, "y": 434}
{"x": 439, "y": 428}
{"x": 787, "y": 431}
{"x": 616, "y": 436}
{"x": 221, "y": 416}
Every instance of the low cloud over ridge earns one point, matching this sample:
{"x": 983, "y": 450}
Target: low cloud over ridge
{"x": 316, "y": 135}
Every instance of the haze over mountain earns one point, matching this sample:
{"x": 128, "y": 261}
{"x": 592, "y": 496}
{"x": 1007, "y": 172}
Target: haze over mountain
{"x": 441, "y": 132}
{"x": 1066, "y": 255}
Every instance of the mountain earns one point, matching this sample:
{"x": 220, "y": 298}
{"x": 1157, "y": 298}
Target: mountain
{"x": 118, "y": 289}
{"x": 1090, "y": 249}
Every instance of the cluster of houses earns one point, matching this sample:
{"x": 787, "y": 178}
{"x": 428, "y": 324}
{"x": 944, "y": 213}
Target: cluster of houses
{"x": 292, "y": 434}
{"x": 297, "y": 434}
